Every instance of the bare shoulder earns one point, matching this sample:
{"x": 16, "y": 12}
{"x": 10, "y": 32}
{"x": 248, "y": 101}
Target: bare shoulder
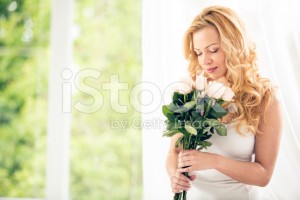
{"x": 273, "y": 115}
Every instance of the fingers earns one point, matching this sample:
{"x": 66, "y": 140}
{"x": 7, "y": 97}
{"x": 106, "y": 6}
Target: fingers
{"x": 180, "y": 183}
{"x": 182, "y": 177}
{"x": 184, "y": 164}
{"x": 192, "y": 177}
{"x": 184, "y": 159}
{"x": 180, "y": 188}
{"x": 186, "y": 152}
{"x": 187, "y": 169}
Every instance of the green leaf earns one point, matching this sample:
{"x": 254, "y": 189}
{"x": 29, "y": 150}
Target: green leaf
{"x": 182, "y": 130}
{"x": 166, "y": 111}
{"x": 170, "y": 125}
{"x": 171, "y": 117}
{"x": 206, "y": 130}
{"x": 195, "y": 115}
{"x": 178, "y": 98}
{"x": 190, "y": 105}
{"x": 191, "y": 95}
{"x": 186, "y": 107}
{"x": 207, "y": 105}
{"x": 220, "y": 101}
{"x": 170, "y": 133}
{"x": 205, "y": 137}
{"x": 207, "y": 143}
{"x": 181, "y": 110}
{"x": 190, "y": 129}
{"x": 199, "y": 148}
{"x": 216, "y": 111}
{"x": 204, "y": 144}
{"x": 211, "y": 123}
{"x": 172, "y": 107}
{"x": 221, "y": 130}
{"x": 207, "y": 123}
{"x": 197, "y": 123}
{"x": 194, "y": 97}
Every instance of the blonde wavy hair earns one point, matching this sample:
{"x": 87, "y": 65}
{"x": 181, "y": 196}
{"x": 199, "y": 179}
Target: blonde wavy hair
{"x": 253, "y": 93}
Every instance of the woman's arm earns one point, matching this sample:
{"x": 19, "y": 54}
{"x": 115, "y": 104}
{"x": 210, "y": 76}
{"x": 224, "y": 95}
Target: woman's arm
{"x": 179, "y": 182}
{"x": 172, "y": 157}
{"x": 253, "y": 173}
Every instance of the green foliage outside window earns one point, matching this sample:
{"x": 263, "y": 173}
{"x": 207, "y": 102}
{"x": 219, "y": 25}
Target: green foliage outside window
{"x": 106, "y": 159}
{"x": 103, "y": 159}
{"x": 24, "y": 39}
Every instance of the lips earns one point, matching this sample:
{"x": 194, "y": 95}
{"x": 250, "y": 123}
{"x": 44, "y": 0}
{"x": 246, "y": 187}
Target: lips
{"x": 211, "y": 69}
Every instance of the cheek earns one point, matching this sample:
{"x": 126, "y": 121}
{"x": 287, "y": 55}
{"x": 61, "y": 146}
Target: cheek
{"x": 222, "y": 64}
{"x": 220, "y": 58}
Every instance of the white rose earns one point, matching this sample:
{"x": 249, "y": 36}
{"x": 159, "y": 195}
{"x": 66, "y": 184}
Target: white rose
{"x": 201, "y": 82}
{"x": 215, "y": 89}
{"x": 228, "y": 94}
{"x": 185, "y": 85}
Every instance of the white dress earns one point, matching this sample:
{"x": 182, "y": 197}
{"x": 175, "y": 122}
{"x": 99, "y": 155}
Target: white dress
{"x": 212, "y": 184}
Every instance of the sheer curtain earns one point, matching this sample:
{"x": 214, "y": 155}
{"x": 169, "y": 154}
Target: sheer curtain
{"x": 272, "y": 25}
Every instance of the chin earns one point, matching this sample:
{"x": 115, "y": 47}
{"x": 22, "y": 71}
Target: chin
{"x": 217, "y": 77}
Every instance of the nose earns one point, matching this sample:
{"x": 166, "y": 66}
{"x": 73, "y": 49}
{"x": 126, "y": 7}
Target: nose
{"x": 206, "y": 59}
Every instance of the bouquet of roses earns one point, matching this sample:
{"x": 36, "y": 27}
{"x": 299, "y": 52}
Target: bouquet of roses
{"x": 194, "y": 112}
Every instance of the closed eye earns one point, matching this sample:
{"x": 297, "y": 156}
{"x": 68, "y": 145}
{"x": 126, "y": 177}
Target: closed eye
{"x": 214, "y": 51}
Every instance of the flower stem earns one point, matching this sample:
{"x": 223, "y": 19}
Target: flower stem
{"x": 207, "y": 109}
{"x": 184, "y": 195}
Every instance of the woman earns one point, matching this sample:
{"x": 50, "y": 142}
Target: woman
{"x": 216, "y": 44}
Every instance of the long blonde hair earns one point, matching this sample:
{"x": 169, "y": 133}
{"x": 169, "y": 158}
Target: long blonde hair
{"x": 253, "y": 93}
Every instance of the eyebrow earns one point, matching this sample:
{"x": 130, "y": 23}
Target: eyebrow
{"x": 206, "y": 46}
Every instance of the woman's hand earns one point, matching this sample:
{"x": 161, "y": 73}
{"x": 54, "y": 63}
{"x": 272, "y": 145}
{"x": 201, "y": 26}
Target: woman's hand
{"x": 180, "y": 182}
{"x": 193, "y": 160}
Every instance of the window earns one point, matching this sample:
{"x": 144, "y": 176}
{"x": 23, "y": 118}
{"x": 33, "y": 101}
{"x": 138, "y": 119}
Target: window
{"x": 105, "y": 156}
{"x": 105, "y": 145}
{"x": 24, "y": 44}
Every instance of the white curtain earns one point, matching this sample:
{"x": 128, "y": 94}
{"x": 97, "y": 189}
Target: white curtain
{"x": 274, "y": 27}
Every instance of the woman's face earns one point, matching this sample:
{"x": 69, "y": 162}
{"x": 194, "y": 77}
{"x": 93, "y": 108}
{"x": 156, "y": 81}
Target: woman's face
{"x": 211, "y": 57}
